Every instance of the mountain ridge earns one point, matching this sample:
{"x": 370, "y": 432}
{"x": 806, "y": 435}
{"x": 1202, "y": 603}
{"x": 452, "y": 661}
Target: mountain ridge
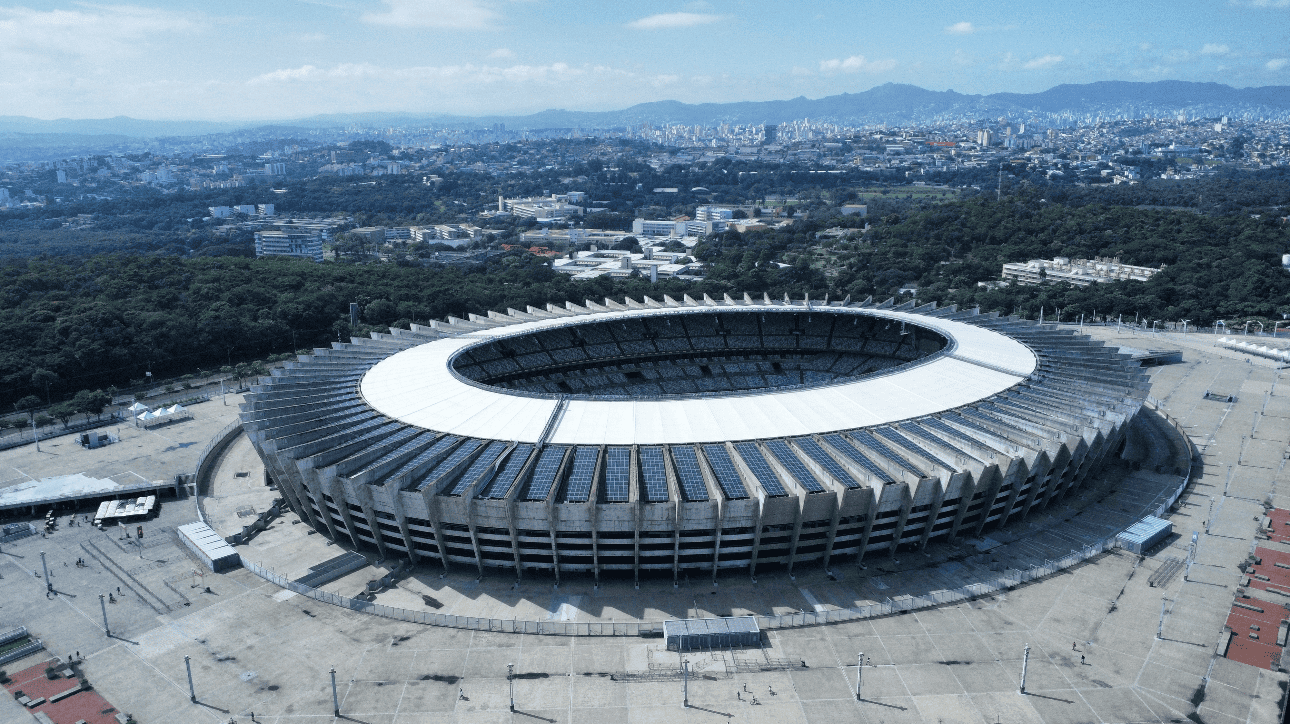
{"x": 886, "y": 103}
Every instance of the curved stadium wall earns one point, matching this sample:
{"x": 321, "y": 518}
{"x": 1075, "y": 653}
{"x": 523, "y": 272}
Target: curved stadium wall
{"x": 696, "y": 435}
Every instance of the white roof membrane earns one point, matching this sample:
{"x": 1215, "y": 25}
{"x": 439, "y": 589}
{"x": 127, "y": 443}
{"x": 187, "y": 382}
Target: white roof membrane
{"x": 417, "y": 387}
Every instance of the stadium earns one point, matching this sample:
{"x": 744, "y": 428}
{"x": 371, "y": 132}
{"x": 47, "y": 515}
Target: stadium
{"x": 688, "y": 437}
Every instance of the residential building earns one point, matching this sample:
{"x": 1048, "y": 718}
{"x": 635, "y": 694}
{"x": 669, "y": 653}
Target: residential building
{"x": 285, "y": 243}
{"x": 1080, "y": 272}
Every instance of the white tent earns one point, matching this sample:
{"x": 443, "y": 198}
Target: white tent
{"x": 138, "y": 407}
{"x": 175, "y": 409}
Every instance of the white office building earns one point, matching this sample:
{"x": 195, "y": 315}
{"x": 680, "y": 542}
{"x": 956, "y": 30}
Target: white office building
{"x": 285, "y": 243}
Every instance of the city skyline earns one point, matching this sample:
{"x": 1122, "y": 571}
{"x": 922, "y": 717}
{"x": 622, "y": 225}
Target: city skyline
{"x": 246, "y": 61}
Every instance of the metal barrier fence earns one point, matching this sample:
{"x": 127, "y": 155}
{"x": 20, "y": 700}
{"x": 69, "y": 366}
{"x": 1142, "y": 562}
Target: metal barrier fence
{"x": 1009, "y": 579}
{"x": 216, "y": 444}
{"x": 22, "y": 530}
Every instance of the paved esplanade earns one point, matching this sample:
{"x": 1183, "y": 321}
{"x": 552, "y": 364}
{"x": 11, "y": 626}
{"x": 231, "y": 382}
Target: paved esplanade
{"x": 257, "y": 648}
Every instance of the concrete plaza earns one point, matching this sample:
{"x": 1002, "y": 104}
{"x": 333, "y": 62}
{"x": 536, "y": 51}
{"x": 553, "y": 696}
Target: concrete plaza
{"x": 1091, "y": 629}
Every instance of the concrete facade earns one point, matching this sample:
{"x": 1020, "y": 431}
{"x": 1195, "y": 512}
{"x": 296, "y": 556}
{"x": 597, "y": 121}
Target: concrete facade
{"x": 545, "y": 501}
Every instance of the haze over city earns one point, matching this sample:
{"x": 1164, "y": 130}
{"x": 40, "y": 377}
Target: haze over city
{"x": 253, "y": 61}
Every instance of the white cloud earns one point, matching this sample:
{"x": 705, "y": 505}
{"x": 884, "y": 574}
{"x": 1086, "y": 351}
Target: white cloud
{"x": 440, "y": 14}
{"x": 1215, "y": 49}
{"x": 1277, "y": 63}
{"x": 666, "y": 21}
{"x": 963, "y": 28}
{"x": 856, "y": 64}
{"x": 502, "y": 54}
{"x": 659, "y": 81}
{"x": 1043, "y": 61}
{"x": 103, "y": 32}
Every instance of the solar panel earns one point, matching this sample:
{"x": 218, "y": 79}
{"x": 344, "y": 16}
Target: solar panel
{"x": 899, "y": 439}
{"x": 618, "y": 462}
{"x": 917, "y": 431}
{"x": 826, "y": 461}
{"x": 938, "y": 424}
{"x": 426, "y": 455}
{"x": 461, "y": 453}
{"x": 548, "y": 465}
{"x": 727, "y": 477}
{"x": 877, "y": 445}
{"x": 654, "y": 474}
{"x": 845, "y": 447}
{"x": 501, "y": 485}
{"x": 578, "y": 489}
{"x": 687, "y": 470}
{"x": 478, "y": 467}
{"x": 761, "y": 469}
{"x": 785, "y": 455}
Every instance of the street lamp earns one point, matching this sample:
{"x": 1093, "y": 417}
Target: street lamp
{"x": 510, "y": 677}
{"x": 1184, "y": 324}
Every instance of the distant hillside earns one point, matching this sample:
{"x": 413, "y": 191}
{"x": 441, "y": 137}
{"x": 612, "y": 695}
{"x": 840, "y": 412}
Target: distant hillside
{"x": 889, "y": 103}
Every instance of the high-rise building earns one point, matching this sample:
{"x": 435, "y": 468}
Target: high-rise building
{"x": 769, "y": 134}
{"x": 985, "y": 137}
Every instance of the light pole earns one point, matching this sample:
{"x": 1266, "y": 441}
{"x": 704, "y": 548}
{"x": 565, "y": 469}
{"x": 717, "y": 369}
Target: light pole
{"x": 510, "y": 677}
{"x": 1153, "y": 325}
{"x": 103, "y": 605}
{"x": 192, "y": 693}
{"x": 1184, "y": 324}
{"x": 685, "y": 682}
{"x": 1025, "y": 659}
{"x": 859, "y": 671}
{"x": 49, "y": 587}
{"x": 335, "y": 700}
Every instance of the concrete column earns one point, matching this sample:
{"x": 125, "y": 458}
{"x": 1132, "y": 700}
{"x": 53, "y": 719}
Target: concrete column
{"x": 966, "y": 491}
{"x": 833, "y": 528}
{"x": 906, "y": 502}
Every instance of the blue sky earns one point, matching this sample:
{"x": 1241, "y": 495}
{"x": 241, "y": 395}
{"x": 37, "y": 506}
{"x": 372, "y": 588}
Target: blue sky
{"x": 280, "y": 59}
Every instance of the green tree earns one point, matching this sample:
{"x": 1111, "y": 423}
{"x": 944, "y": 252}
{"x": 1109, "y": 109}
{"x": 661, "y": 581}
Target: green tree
{"x": 28, "y": 404}
{"x": 64, "y": 411}
{"x": 91, "y": 402}
{"x": 46, "y": 379}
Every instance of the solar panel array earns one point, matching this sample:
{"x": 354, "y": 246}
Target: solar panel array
{"x": 789, "y": 459}
{"x": 501, "y": 484}
{"x": 727, "y": 477}
{"x": 461, "y": 453}
{"x": 548, "y": 465}
{"x": 654, "y": 474}
{"x": 761, "y": 469}
{"x": 877, "y": 445}
{"x": 477, "y": 468}
{"x": 826, "y": 461}
{"x": 426, "y": 455}
{"x": 845, "y": 447}
{"x": 583, "y": 473}
{"x": 939, "y": 425}
{"x": 900, "y": 439}
{"x": 618, "y": 461}
{"x": 687, "y": 470}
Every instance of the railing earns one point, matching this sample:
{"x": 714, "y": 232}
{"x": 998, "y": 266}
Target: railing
{"x": 49, "y": 432}
{"x": 216, "y": 444}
